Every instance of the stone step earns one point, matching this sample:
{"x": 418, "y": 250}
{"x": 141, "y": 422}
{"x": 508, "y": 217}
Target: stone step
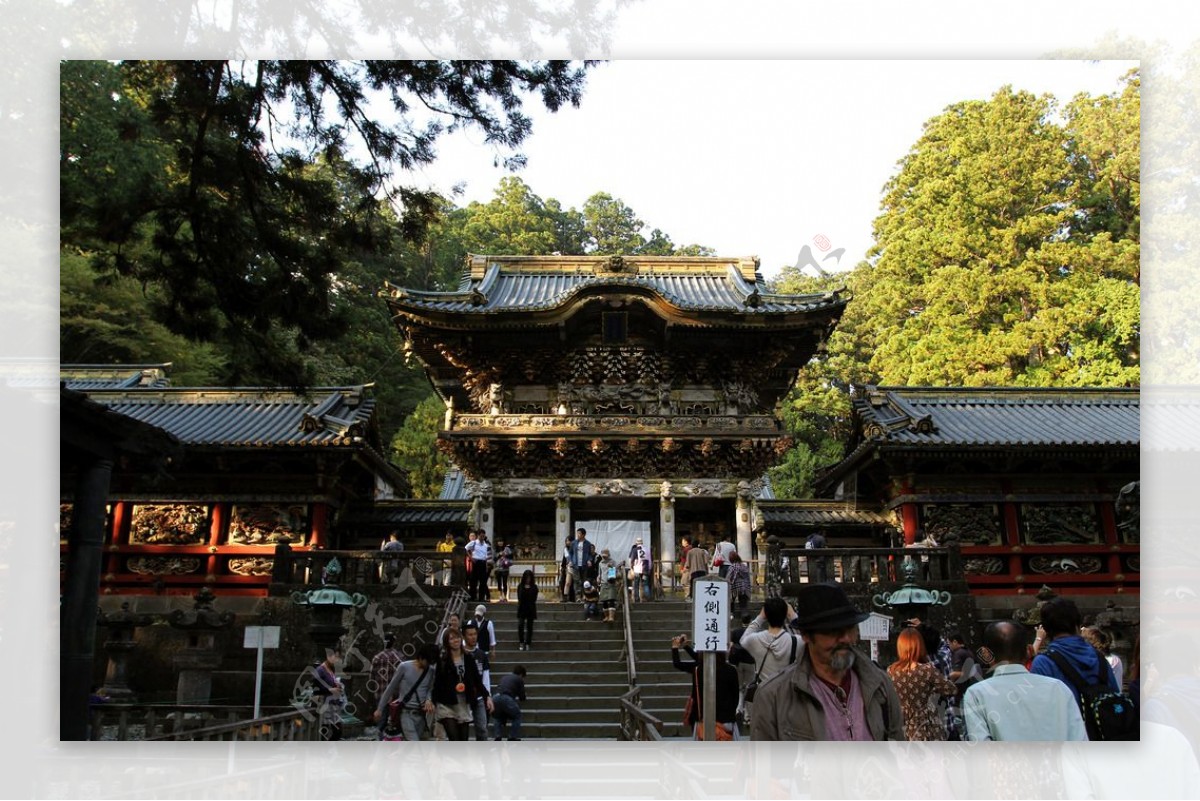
{"x": 547, "y": 644}
{"x": 559, "y": 665}
{"x": 576, "y": 675}
{"x": 569, "y": 689}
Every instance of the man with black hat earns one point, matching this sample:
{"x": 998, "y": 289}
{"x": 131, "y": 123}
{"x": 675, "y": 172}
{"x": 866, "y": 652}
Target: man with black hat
{"x": 832, "y": 692}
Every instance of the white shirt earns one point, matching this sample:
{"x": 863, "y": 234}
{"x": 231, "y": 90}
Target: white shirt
{"x": 482, "y": 550}
{"x": 724, "y": 549}
{"x": 1015, "y": 704}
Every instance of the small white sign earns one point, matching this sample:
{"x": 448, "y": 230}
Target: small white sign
{"x": 261, "y": 636}
{"x": 710, "y": 614}
{"x": 875, "y": 627}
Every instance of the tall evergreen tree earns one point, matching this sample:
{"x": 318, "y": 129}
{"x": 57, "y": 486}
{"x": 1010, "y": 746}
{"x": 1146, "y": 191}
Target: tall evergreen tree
{"x": 1006, "y": 253}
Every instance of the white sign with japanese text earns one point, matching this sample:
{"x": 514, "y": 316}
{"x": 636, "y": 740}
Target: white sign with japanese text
{"x": 265, "y": 636}
{"x": 710, "y": 614}
{"x": 875, "y": 627}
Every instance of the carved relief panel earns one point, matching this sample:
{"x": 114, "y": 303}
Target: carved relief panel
{"x": 169, "y": 524}
{"x": 267, "y": 524}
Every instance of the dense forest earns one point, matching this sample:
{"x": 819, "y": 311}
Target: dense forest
{"x": 214, "y": 216}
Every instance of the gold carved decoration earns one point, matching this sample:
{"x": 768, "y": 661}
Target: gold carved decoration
{"x": 251, "y": 565}
{"x": 267, "y": 524}
{"x": 163, "y": 565}
{"x": 169, "y": 524}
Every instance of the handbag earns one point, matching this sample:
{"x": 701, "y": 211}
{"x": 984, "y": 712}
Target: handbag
{"x": 752, "y": 687}
{"x": 392, "y": 729}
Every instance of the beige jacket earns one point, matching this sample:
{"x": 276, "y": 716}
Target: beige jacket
{"x": 697, "y": 561}
{"x": 786, "y": 709}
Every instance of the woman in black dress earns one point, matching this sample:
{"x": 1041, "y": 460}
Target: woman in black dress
{"x": 527, "y": 593}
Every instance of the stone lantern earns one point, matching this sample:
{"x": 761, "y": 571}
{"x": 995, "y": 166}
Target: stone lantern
{"x": 201, "y": 657}
{"x": 327, "y": 604}
{"x": 910, "y": 600}
{"x": 120, "y": 643}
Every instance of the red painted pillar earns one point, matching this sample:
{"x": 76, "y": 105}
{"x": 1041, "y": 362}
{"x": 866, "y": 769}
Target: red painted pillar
{"x": 118, "y": 536}
{"x": 911, "y": 522}
{"x": 320, "y": 526}
{"x": 220, "y": 517}
{"x": 1012, "y": 536}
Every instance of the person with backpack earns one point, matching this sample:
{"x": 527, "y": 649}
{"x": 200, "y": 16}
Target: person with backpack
{"x": 1107, "y": 712}
{"x": 1015, "y": 705}
{"x": 608, "y": 586}
{"x": 641, "y": 570}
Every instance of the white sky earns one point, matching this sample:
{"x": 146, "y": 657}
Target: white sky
{"x": 751, "y": 157}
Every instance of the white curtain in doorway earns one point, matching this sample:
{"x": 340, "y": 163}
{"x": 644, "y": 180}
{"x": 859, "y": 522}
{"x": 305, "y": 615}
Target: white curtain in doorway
{"x": 616, "y": 535}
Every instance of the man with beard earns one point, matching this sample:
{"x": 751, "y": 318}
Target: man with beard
{"x": 832, "y": 692}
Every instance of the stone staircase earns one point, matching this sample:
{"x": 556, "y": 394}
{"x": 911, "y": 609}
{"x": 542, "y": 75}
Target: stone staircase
{"x": 576, "y": 673}
{"x": 664, "y": 688}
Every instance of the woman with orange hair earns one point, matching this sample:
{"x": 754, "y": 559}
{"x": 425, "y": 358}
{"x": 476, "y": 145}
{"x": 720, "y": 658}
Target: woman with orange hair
{"x": 918, "y": 683}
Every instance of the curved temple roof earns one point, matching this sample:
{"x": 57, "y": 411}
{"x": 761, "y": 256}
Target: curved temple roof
{"x": 505, "y": 284}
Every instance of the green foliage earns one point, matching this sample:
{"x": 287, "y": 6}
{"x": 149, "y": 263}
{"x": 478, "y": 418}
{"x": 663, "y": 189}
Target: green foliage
{"x": 111, "y": 321}
{"x": 515, "y": 222}
{"x": 230, "y": 186}
{"x": 611, "y": 226}
{"x": 413, "y": 450}
{"x": 1006, "y": 253}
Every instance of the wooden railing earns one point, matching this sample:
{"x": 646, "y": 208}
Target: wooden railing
{"x": 200, "y": 722}
{"x": 850, "y": 565}
{"x": 990, "y": 569}
{"x": 636, "y": 723}
{"x": 295, "y": 724}
{"x": 357, "y": 568}
{"x": 361, "y": 569}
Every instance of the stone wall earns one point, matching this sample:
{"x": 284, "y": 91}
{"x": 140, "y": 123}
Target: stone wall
{"x": 151, "y": 668}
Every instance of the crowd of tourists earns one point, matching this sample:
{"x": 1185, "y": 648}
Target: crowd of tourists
{"x": 789, "y": 673}
{"x": 797, "y": 674}
{"x": 445, "y": 690}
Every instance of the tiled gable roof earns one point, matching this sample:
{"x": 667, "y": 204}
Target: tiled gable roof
{"x": 1008, "y": 416}
{"x": 86, "y": 377}
{"x": 454, "y": 486}
{"x": 249, "y": 417}
{"x": 820, "y": 513}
